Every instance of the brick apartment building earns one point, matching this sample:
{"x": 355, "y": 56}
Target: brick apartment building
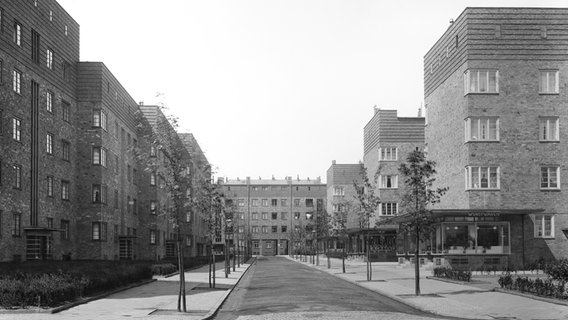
{"x": 271, "y": 212}
{"x": 496, "y": 88}
{"x": 71, "y": 185}
{"x": 388, "y": 139}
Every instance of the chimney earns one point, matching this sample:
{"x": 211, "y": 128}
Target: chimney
{"x": 273, "y": 177}
{"x": 376, "y": 109}
{"x": 220, "y": 180}
{"x": 226, "y": 179}
{"x": 238, "y": 179}
{"x": 141, "y": 103}
{"x": 333, "y": 162}
{"x": 420, "y": 112}
{"x": 298, "y": 177}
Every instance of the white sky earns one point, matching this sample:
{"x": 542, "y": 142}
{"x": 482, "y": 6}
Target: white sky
{"x": 272, "y": 87}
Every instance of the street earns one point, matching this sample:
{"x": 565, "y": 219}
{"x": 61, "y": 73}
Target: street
{"x": 278, "y": 288}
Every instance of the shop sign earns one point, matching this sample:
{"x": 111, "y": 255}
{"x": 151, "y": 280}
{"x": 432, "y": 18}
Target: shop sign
{"x": 483, "y": 214}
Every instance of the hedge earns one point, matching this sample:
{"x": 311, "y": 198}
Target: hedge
{"x": 449, "y": 273}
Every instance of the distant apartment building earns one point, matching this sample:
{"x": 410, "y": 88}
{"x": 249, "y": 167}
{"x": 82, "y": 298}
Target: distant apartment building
{"x": 496, "y": 87}
{"x": 388, "y": 139}
{"x": 272, "y": 214}
{"x": 71, "y": 184}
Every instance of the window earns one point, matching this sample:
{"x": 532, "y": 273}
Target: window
{"x": 548, "y": 82}
{"x": 152, "y": 178}
{"x": 35, "y": 46}
{"x": 116, "y": 165}
{"x": 49, "y": 186}
{"x": 49, "y": 144}
{"x": 284, "y": 202}
{"x": 338, "y": 207}
{"x": 17, "y": 177}
{"x": 284, "y": 229}
{"x": 548, "y": 129}
{"x": 550, "y": 177}
{"x": 296, "y": 202}
{"x": 152, "y": 236}
{"x": 241, "y": 202}
{"x": 65, "y": 111}
{"x": 338, "y": 191}
{"x": 241, "y": 216}
{"x": 482, "y": 129}
{"x": 388, "y": 181}
{"x": 389, "y": 208}
{"x": 16, "y": 224}
{"x": 99, "y": 231}
{"x": 264, "y": 188}
{"x": 274, "y": 202}
{"x": 152, "y": 150}
{"x": 153, "y": 206}
{"x": 274, "y": 229}
{"x": 100, "y": 156}
{"x": 265, "y": 216}
{"x": 254, "y": 202}
{"x": 265, "y": 202}
{"x": 254, "y": 229}
{"x": 49, "y": 101}
{"x": 188, "y": 241}
{"x": 544, "y": 226}
{"x": 99, "y": 119}
{"x": 64, "y": 190}
{"x": 188, "y": 217}
{"x": 481, "y": 81}
{"x": 254, "y": 216}
{"x": 65, "y": 30}
{"x": 241, "y": 229}
{"x": 50, "y": 15}
{"x": 134, "y": 206}
{"x": 309, "y": 202}
{"x": 296, "y": 215}
{"x": 483, "y": 177}
{"x": 388, "y": 154}
{"x": 1, "y": 63}
{"x": 16, "y": 81}
{"x": 274, "y": 215}
{"x": 49, "y": 58}
{"x": 115, "y": 198}
{"x": 50, "y": 223}
{"x": 17, "y": 129}
{"x": 254, "y": 188}
{"x": 264, "y": 229}
{"x": 65, "y": 228}
{"x": 99, "y": 193}
{"x": 17, "y": 33}
{"x": 65, "y": 146}
{"x": 283, "y": 216}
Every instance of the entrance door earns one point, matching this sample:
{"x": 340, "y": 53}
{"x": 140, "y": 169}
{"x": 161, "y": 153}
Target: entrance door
{"x": 170, "y": 249}
{"x": 125, "y": 249}
{"x": 38, "y": 247}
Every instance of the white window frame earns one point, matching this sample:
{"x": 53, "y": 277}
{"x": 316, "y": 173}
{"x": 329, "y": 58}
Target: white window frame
{"x": 49, "y": 101}
{"x": 152, "y": 178}
{"x": 469, "y": 170}
{"x": 477, "y": 77}
{"x": 18, "y": 33}
{"x": 483, "y": 132}
{"x": 544, "y": 82}
{"x": 49, "y": 143}
{"x": 241, "y": 202}
{"x": 338, "y": 191}
{"x": 17, "y": 81}
{"x": 549, "y": 174}
{"x": 540, "y": 224}
{"x": 17, "y": 129}
{"x": 386, "y": 208}
{"x": 383, "y": 181}
{"x": 49, "y": 58}
{"x": 545, "y": 124}
{"x": 254, "y": 202}
{"x": 388, "y": 154}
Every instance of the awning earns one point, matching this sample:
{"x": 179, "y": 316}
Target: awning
{"x": 438, "y": 213}
{"x": 42, "y": 230}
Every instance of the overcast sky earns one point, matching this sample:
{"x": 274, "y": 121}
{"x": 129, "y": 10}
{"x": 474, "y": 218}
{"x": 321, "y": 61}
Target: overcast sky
{"x": 269, "y": 87}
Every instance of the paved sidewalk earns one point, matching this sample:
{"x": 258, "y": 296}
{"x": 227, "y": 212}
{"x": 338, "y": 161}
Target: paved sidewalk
{"x": 440, "y": 297}
{"x": 156, "y": 300}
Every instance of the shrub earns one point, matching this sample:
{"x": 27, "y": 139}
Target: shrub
{"x": 163, "y": 269}
{"x": 449, "y": 273}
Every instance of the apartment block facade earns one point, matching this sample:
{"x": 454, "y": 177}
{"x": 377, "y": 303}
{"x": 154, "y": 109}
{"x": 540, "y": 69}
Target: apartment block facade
{"x": 71, "y": 184}
{"x": 496, "y": 88}
{"x": 388, "y": 139}
{"x": 272, "y": 213}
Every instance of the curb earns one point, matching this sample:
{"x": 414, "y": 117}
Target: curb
{"x": 211, "y": 314}
{"x": 532, "y": 296}
{"x": 100, "y": 296}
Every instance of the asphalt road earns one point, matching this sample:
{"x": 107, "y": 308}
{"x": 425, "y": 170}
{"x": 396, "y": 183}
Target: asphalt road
{"x": 278, "y": 288}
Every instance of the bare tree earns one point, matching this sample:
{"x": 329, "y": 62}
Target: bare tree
{"x": 168, "y": 162}
{"x": 418, "y": 195}
{"x": 368, "y": 201}
{"x": 338, "y": 225}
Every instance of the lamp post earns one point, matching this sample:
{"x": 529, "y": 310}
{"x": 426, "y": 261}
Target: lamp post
{"x": 227, "y": 257}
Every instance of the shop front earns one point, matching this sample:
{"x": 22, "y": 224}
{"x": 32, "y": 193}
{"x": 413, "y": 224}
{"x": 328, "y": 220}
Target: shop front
{"x": 471, "y": 239}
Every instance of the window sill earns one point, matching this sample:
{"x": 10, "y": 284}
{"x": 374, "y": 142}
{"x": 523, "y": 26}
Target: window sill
{"x": 481, "y": 94}
{"x": 550, "y": 190}
{"x": 484, "y": 189}
{"x": 549, "y": 93}
{"x": 549, "y": 141}
{"x": 545, "y": 237}
{"x": 388, "y": 188}
{"x": 483, "y": 141}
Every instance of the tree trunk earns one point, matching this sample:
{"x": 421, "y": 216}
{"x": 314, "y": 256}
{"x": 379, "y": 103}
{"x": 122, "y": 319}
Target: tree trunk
{"x": 369, "y": 267}
{"x": 417, "y": 263}
{"x": 180, "y": 271}
{"x": 327, "y": 254}
{"x": 210, "y": 283}
{"x": 226, "y": 260}
{"x": 343, "y": 257}
{"x": 182, "y": 275}
{"x": 214, "y": 271}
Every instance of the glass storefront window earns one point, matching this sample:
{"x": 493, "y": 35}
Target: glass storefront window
{"x": 473, "y": 238}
